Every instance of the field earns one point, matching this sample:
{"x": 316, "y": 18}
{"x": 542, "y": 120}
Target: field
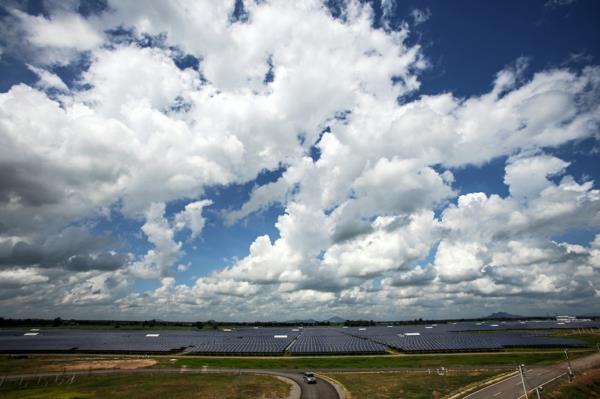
{"x": 41, "y": 363}
{"x": 407, "y": 385}
{"x": 131, "y": 386}
{"x": 358, "y": 374}
{"x": 585, "y": 386}
{"x": 380, "y": 362}
{"x": 591, "y": 339}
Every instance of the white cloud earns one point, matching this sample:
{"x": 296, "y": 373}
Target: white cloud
{"x": 359, "y": 229}
{"x": 260, "y": 198}
{"x": 158, "y": 260}
{"x": 503, "y": 246}
{"x": 394, "y": 244}
{"x": 48, "y": 80}
{"x": 191, "y": 217}
{"x": 55, "y": 39}
{"x": 148, "y": 76}
{"x": 420, "y": 16}
{"x": 21, "y": 277}
{"x": 527, "y": 177}
{"x": 63, "y": 30}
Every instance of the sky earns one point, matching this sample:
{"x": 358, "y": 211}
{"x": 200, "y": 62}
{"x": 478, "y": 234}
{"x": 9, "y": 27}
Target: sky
{"x": 273, "y": 160}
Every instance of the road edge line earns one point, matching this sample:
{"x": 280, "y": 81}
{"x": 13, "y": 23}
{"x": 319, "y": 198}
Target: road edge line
{"x": 493, "y": 382}
{"x": 341, "y": 390}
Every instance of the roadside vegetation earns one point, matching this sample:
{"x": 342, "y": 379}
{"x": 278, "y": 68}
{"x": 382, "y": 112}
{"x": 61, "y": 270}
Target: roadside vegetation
{"x": 149, "y": 386}
{"x": 407, "y": 385}
{"x": 586, "y": 385}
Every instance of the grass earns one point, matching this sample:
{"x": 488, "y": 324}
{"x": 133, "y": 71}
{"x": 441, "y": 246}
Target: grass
{"x": 585, "y": 386}
{"x": 29, "y": 364}
{"x": 377, "y": 362}
{"x": 591, "y": 339}
{"x": 406, "y": 385}
{"x": 19, "y": 364}
{"x": 132, "y": 386}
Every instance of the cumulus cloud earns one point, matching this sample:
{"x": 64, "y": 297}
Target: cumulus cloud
{"x": 371, "y": 222}
{"x": 63, "y": 31}
{"x": 503, "y": 246}
{"x": 191, "y": 217}
{"x": 527, "y": 177}
{"x": 165, "y": 252}
{"x": 57, "y": 38}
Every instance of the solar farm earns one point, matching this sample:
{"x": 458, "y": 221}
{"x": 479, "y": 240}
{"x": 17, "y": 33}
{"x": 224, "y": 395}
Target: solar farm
{"x": 298, "y": 341}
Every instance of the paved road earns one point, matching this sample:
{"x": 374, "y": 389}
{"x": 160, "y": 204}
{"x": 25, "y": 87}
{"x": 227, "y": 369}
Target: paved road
{"x": 323, "y": 389}
{"x": 512, "y": 387}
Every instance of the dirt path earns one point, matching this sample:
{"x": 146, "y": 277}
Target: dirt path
{"x": 126, "y": 364}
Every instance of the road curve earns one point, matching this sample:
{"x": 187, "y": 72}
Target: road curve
{"x": 323, "y": 389}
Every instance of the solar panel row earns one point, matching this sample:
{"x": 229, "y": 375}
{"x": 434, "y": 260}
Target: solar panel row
{"x": 338, "y": 343}
{"x": 466, "y": 341}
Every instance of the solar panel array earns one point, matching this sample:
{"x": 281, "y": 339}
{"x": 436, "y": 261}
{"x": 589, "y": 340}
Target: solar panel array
{"x": 438, "y": 342}
{"x": 415, "y": 338}
{"x": 242, "y": 344}
{"x": 315, "y": 341}
{"x": 469, "y": 342}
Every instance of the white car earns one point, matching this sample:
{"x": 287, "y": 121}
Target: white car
{"x": 309, "y": 377}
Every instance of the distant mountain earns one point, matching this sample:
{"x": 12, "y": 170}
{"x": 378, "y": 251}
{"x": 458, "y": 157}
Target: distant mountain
{"x": 299, "y": 321}
{"x": 333, "y": 320}
{"x": 503, "y": 315}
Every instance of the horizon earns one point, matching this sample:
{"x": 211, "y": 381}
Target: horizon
{"x": 250, "y": 160}
{"x": 491, "y": 316}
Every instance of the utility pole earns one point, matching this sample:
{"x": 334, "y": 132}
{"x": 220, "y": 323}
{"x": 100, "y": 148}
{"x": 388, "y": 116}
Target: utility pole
{"x": 521, "y": 366}
{"x": 569, "y": 369}
{"x": 537, "y": 391}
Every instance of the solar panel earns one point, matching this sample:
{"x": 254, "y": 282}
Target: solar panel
{"x": 374, "y": 339}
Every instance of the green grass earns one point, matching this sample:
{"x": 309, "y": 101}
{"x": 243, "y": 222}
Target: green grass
{"x": 172, "y": 386}
{"x": 591, "y": 339}
{"x": 365, "y": 362}
{"x": 406, "y": 385}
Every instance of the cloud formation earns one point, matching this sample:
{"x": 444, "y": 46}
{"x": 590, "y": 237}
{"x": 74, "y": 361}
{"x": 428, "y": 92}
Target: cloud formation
{"x": 373, "y": 222}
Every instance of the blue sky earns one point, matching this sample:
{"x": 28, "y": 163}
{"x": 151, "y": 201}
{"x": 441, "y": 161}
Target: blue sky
{"x": 254, "y": 160}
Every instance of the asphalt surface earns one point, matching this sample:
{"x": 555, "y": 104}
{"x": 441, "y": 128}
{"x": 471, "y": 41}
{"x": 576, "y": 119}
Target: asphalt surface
{"x": 323, "y": 389}
{"x": 512, "y": 387}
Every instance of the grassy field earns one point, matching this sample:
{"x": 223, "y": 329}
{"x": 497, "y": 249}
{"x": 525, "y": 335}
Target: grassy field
{"x": 31, "y": 364}
{"x": 131, "y": 386}
{"x": 585, "y": 386}
{"x": 379, "y": 362}
{"x": 406, "y": 385}
{"x": 19, "y": 364}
